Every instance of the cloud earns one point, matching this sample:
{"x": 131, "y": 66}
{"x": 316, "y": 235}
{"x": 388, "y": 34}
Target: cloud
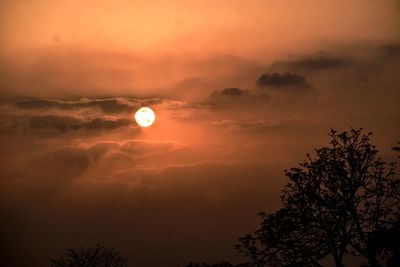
{"x": 130, "y": 151}
{"x": 99, "y": 150}
{"x": 38, "y": 104}
{"x": 57, "y": 116}
{"x": 283, "y": 80}
{"x": 55, "y": 123}
{"x": 133, "y": 149}
{"x": 237, "y": 125}
{"x": 111, "y": 106}
{"x": 233, "y": 92}
{"x": 65, "y": 124}
{"x": 229, "y": 96}
{"x": 74, "y": 71}
{"x": 100, "y": 124}
{"x": 97, "y": 161}
{"x": 263, "y": 127}
{"x": 108, "y": 106}
{"x": 312, "y": 63}
{"x": 67, "y": 161}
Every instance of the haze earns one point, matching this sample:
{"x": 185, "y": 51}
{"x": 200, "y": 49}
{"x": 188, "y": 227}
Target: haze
{"x": 241, "y": 89}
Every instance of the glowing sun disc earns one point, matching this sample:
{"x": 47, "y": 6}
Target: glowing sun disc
{"x": 145, "y": 117}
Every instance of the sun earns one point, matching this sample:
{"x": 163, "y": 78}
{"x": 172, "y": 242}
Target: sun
{"x": 145, "y": 117}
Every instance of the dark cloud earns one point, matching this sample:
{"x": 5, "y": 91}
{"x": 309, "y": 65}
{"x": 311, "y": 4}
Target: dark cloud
{"x": 313, "y": 63}
{"x": 104, "y": 124}
{"x": 108, "y": 106}
{"x": 38, "y": 104}
{"x": 229, "y": 95}
{"x": 283, "y": 80}
{"x": 64, "y": 124}
{"x": 233, "y": 92}
{"x": 86, "y": 115}
{"x": 61, "y": 124}
{"x": 236, "y": 99}
{"x": 111, "y": 106}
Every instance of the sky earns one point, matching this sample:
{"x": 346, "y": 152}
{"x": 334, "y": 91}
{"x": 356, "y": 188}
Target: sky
{"x": 242, "y": 90}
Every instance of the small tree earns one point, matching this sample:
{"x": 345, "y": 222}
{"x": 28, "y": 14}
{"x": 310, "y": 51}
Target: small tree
{"x": 96, "y": 256}
{"x": 335, "y": 204}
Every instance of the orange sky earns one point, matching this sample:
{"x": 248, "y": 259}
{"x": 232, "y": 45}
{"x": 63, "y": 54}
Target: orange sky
{"x": 118, "y": 47}
{"x": 235, "y": 27}
{"x": 241, "y": 90}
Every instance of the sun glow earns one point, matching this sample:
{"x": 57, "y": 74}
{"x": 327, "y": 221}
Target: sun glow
{"x": 145, "y": 117}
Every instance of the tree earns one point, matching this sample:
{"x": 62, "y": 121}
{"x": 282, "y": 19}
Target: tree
{"x": 336, "y": 203}
{"x": 283, "y": 240}
{"x": 388, "y": 246}
{"x": 96, "y": 256}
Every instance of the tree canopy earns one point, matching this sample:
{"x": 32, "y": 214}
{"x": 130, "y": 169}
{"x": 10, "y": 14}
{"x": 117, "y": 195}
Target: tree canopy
{"x": 343, "y": 201}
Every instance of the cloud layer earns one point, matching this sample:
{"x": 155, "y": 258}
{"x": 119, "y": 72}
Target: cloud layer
{"x": 76, "y": 171}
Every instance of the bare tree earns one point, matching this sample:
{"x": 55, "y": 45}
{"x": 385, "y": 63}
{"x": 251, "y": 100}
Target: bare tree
{"x": 96, "y": 256}
{"x": 335, "y": 204}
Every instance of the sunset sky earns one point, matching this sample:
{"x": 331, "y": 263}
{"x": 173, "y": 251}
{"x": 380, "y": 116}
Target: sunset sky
{"x": 242, "y": 90}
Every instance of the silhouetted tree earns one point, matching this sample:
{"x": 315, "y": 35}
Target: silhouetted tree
{"x": 283, "y": 240}
{"x": 96, "y": 256}
{"x": 388, "y": 246}
{"x": 335, "y": 204}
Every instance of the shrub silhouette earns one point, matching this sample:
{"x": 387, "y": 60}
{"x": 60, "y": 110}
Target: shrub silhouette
{"x": 96, "y": 256}
{"x": 345, "y": 201}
